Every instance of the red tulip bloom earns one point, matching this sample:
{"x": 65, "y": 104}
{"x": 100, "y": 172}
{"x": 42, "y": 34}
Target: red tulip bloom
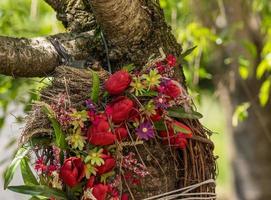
{"x": 99, "y": 133}
{"x": 99, "y": 190}
{"x": 125, "y": 196}
{"x": 121, "y": 133}
{"x": 109, "y": 164}
{"x": 118, "y": 82}
{"x": 72, "y": 171}
{"x": 120, "y": 109}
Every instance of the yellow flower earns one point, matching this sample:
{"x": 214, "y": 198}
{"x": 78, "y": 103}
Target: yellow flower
{"x": 76, "y": 140}
{"x": 153, "y": 78}
{"x": 149, "y": 108}
{"x": 138, "y": 86}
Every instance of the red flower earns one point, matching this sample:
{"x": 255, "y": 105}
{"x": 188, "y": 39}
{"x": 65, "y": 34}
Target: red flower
{"x": 171, "y": 60}
{"x": 121, "y": 133}
{"x": 168, "y": 137}
{"x": 120, "y": 110}
{"x": 187, "y": 131}
{"x": 125, "y": 196}
{"x": 178, "y": 139}
{"x": 109, "y": 164}
{"x": 118, "y": 82}
{"x": 181, "y": 141}
{"x": 160, "y": 67}
{"x": 157, "y": 116}
{"x": 99, "y": 133}
{"x": 100, "y": 138}
{"x": 72, "y": 171}
{"x": 99, "y": 190}
{"x": 172, "y": 89}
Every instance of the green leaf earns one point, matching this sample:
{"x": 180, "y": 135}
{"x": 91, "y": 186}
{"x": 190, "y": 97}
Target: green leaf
{"x": 160, "y": 126}
{"x": 59, "y": 135}
{"x": 105, "y": 176}
{"x": 148, "y": 94}
{"x": 129, "y": 67}
{"x": 181, "y": 129}
{"x": 95, "y": 87}
{"x": 188, "y": 52}
{"x": 181, "y": 113}
{"x": 243, "y": 71}
{"x": 27, "y": 174}
{"x": 9, "y": 173}
{"x": 240, "y": 113}
{"x": 265, "y": 92}
{"x": 263, "y": 67}
{"x": 38, "y": 190}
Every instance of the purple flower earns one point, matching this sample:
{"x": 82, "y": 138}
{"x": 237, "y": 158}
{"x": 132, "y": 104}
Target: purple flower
{"x": 145, "y": 131}
{"x": 90, "y": 105}
{"x": 161, "y": 102}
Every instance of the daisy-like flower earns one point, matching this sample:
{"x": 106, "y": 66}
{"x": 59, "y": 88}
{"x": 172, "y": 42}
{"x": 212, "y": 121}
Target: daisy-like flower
{"x": 137, "y": 85}
{"x": 145, "y": 131}
{"x": 153, "y": 78}
{"x": 149, "y": 108}
{"x": 76, "y": 140}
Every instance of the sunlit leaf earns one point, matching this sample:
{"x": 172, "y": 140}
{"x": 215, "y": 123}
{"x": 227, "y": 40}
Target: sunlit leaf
{"x": 95, "y": 91}
{"x": 240, "y": 113}
{"x": 39, "y": 190}
{"x": 188, "y": 51}
{"x": 27, "y": 174}
{"x": 9, "y": 173}
{"x": 129, "y": 67}
{"x": 59, "y": 135}
{"x": 265, "y": 92}
{"x": 181, "y": 113}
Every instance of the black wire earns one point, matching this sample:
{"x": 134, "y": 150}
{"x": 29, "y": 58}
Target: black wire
{"x": 107, "y": 52}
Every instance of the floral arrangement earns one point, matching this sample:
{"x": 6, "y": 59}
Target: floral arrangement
{"x": 83, "y": 159}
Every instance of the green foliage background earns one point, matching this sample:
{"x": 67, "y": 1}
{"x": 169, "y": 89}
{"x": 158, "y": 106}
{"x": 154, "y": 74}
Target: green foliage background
{"x": 23, "y": 18}
{"x": 31, "y": 18}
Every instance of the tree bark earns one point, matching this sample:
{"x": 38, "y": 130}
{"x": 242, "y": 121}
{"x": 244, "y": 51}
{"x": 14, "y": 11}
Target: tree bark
{"x": 134, "y": 31}
{"x": 38, "y": 57}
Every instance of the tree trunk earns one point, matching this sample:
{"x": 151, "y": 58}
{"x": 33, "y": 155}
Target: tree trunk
{"x": 131, "y": 32}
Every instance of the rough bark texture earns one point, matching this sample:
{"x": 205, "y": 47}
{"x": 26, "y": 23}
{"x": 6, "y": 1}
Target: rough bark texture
{"x": 251, "y": 160}
{"x": 75, "y": 15}
{"x": 142, "y": 26}
{"x": 38, "y": 57}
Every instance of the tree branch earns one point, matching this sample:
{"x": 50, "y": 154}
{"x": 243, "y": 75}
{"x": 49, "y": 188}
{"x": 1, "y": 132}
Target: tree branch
{"x": 37, "y": 57}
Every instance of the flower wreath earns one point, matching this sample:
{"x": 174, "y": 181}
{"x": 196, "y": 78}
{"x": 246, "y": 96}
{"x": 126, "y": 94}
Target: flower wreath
{"x": 84, "y": 161}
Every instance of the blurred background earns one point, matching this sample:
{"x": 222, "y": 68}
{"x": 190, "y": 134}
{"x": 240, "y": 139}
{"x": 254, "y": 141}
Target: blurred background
{"x": 228, "y": 74}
